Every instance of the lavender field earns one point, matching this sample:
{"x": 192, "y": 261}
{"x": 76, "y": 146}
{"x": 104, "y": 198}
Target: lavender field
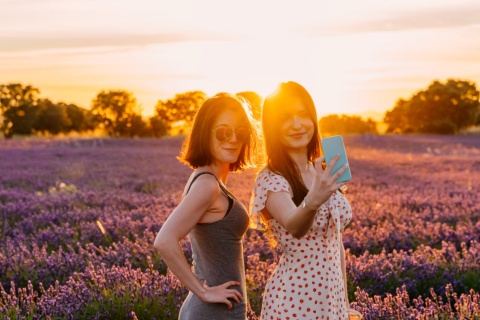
{"x": 78, "y": 218}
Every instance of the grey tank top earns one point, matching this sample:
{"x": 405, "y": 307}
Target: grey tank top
{"x": 217, "y": 253}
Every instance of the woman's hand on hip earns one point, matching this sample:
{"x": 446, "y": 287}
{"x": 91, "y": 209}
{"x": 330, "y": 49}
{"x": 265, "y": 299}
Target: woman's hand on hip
{"x": 221, "y": 293}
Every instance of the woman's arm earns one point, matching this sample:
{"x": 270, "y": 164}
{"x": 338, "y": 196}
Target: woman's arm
{"x": 194, "y": 205}
{"x": 298, "y": 220}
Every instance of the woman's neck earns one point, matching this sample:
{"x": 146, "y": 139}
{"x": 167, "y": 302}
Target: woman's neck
{"x": 300, "y": 159}
{"x": 220, "y": 171}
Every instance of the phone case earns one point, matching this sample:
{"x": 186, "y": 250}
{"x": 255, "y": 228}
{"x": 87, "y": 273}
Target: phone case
{"x": 332, "y": 146}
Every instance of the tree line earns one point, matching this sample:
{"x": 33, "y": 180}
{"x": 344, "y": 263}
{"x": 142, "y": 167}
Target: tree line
{"x": 445, "y": 108}
{"x": 442, "y": 108}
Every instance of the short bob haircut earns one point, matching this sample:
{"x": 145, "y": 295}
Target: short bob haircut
{"x": 196, "y": 149}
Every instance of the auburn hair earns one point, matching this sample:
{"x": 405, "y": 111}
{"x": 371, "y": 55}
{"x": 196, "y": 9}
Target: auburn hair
{"x": 196, "y": 148}
{"x": 278, "y": 159}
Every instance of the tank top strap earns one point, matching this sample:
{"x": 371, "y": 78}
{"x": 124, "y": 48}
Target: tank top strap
{"x": 227, "y": 193}
{"x": 224, "y": 190}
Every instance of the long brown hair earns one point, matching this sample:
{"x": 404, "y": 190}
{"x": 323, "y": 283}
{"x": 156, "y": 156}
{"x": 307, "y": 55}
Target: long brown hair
{"x": 278, "y": 159}
{"x": 196, "y": 151}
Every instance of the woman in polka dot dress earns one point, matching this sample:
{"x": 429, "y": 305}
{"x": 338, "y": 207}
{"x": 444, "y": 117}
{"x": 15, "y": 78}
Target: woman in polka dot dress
{"x": 299, "y": 203}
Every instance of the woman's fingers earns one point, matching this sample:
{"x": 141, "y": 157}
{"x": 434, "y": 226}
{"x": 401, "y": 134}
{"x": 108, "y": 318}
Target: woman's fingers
{"x": 238, "y": 295}
{"x": 340, "y": 172}
{"x": 326, "y": 180}
{"x": 228, "y": 303}
{"x": 328, "y": 169}
{"x": 222, "y": 293}
{"x": 318, "y": 164}
{"x": 234, "y": 293}
{"x": 325, "y": 183}
{"x": 235, "y": 296}
{"x": 230, "y": 283}
{"x": 338, "y": 185}
{"x": 332, "y": 164}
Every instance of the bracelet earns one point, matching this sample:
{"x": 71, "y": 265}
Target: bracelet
{"x": 305, "y": 205}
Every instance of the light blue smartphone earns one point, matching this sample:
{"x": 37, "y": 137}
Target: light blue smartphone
{"x": 332, "y": 146}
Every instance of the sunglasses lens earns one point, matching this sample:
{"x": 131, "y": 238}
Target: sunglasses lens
{"x": 226, "y": 133}
{"x": 223, "y": 133}
{"x": 242, "y": 134}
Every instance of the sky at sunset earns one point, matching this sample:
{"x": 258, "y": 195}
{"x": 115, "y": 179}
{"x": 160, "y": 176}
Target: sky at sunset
{"x": 353, "y": 56}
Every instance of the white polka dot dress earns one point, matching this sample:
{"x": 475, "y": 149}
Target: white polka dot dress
{"x": 308, "y": 281}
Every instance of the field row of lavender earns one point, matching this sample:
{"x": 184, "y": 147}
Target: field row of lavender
{"x": 78, "y": 219}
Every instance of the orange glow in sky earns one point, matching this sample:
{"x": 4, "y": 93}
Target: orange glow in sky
{"x": 353, "y": 56}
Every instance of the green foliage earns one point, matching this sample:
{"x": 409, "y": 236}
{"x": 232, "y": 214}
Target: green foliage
{"x": 443, "y": 108}
{"x": 182, "y": 107}
{"x": 255, "y": 300}
{"x": 23, "y": 113}
{"x": 137, "y": 127}
{"x": 148, "y": 187}
{"x": 158, "y": 127}
{"x": 468, "y": 279}
{"x": 51, "y": 118}
{"x": 343, "y": 124}
{"x": 115, "y": 304}
{"x": 18, "y": 107}
{"x": 115, "y": 111}
{"x": 80, "y": 119}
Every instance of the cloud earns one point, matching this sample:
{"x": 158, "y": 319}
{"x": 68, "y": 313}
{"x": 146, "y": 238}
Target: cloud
{"x": 428, "y": 19}
{"x": 36, "y": 43}
{"x": 425, "y": 18}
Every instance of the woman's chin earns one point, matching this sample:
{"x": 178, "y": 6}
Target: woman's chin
{"x": 296, "y": 145}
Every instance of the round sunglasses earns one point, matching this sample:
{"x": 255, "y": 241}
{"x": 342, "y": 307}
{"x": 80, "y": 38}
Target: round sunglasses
{"x": 225, "y": 133}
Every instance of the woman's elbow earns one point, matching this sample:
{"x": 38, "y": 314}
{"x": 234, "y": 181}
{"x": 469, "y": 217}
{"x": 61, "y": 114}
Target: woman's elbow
{"x": 161, "y": 243}
{"x": 296, "y": 232}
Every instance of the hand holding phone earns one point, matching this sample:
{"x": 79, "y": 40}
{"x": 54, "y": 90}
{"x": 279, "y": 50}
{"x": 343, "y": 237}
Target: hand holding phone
{"x": 332, "y": 146}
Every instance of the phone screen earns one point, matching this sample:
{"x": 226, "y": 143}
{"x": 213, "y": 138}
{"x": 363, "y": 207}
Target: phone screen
{"x": 332, "y": 146}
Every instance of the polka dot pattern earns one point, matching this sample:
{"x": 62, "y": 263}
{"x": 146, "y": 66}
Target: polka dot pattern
{"x": 308, "y": 282}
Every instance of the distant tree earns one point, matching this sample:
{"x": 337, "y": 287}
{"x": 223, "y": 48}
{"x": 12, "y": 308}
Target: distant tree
{"x": 158, "y": 128}
{"x": 51, "y": 118}
{"x": 116, "y": 112}
{"x": 81, "y": 120}
{"x": 181, "y": 108}
{"x": 255, "y": 101}
{"x": 18, "y": 106}
{"x": 397, "y": 118}
{"x": 138, "y": 127}
{"x": 343, "y": 124}
{"x": 444, "y": 108}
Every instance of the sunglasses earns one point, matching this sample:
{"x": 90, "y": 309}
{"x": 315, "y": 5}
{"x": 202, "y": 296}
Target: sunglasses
{"x": 226, "y": 133}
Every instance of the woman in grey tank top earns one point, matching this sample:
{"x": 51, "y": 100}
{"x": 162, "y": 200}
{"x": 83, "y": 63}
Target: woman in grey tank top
{"x": 223, "y": 139}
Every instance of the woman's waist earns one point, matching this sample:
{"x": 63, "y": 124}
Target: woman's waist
{"x": 321, "y": 253}
{"x": 217, "y": 277}
{"x": 218, "y": 265}
{"x": 225, "y": 252}
{"x": 296, "y": 267}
